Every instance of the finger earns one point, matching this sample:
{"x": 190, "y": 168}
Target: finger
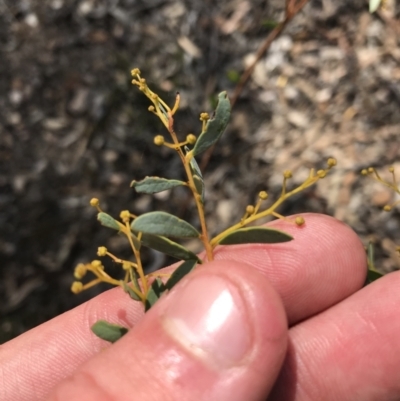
{"x": 220, "y": 335}
{"x": 324, "y": 264}
{"x": 350, "y": 352}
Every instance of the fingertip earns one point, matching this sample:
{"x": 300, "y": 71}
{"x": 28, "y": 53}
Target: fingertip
{"x": 325, "y": 263}
{"x": 220, "y": 334}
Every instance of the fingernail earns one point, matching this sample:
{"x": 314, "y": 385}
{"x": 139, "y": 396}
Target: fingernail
{"x": 208, "y": 317}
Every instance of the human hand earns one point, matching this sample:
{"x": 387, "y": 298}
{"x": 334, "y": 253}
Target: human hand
{"x": 342, "y": 343}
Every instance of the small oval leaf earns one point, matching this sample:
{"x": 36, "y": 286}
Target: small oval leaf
{"x": 255, "y": 235}
{"x": 215, "y": 126}
{"x": 108, "y": 331}
{"x": 180, "y": 272}
{"x": 152, "y": 185}
{"x": 107, "y": 221}
{"x": 154, "y": 293}
{"x": 162, "y": 223}
{"x": 165, "y": 245}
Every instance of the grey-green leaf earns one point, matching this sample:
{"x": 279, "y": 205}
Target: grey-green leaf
{"x": 180, "y": 272}
{"x": 255, "y": 235}
{"x": 107, "y": 221}
{"x": 199, "y": 184}
{"x": 108, "y": 331}
{"x": 162, "y": 223}
{"x": 152, "y": 185}
{"x": 128, "y": 289}
{"x": 154, "y": 293}
{"x": 193, "y": 165}
{"x": 215, "y": 126}
{"x": 167, "y": 246}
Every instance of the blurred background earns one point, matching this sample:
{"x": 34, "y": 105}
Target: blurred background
{"x": 72, "y": 126}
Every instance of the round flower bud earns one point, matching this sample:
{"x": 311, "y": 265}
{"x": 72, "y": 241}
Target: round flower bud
{"x": 94, "y": 202}
{"x": 370, "y": 170}
{"x": 76, "y": 287}
{"x": 364, "y": 171}
{"x": 135, "y": 71}
{"x": 299, "y": 220}
{"x": 191, "y": 139}
{"x": 331, "y": 162}
{"x": 387, "y": 208}
{"x": 80, "y": 271}
{"x": 250, "y": 209}
{"x": 126, "y": 265}
{"x": 125, "y": 216}
{"x": 96, "y": 264}
{"x": 321, "y": 173}
{"x": 287, "y": 174}
{"x": 204, "y": 117}
{"x": 263, "y": 195}
{"x": 159, "y": 140}
{"x": 101, "y": 251}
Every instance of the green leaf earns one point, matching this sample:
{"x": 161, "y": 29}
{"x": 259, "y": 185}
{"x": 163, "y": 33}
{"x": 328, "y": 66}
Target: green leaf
{"x": 154, "y": 293}
{"x": 165, "y": 245}
{"x": 152, "y": 185}
{"x": 374, "y": 5}
{"x": 180, "y": 272}
{"x": 161, "y": 223}
{"x": 215, "y": 126}
{"x": 199, "y": 184}
{"x": 107, "y": 221}
{"x": 255, "y": 235}
{"x": 372, "y": 275}
{"x": 108, "y": 331}
{"x": 193, "y": 165}
{"x": 197, "y": 176}
{"x": 128, "y": 289}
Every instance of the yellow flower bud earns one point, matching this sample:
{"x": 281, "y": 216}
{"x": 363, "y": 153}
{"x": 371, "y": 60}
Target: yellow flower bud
{"x": 299, "y": 220}
{"x": 76, "y": 287}
{"x": 126, "y": 265}
{"x": 250, "y": 209}
{"x": 135, "y": 71}
{"x": 331, "y": 162}
{"x": 287, "y": 174}
{"x": 391, "y": 169}
{"x": 364, "y": 171}
{"x": 263, "y": 195}
{"x": 159, "y": 140}
{"x": 125, "y": 216}
{"x": 94, "y": 202}
{"x": 101, "y": 251}
{"x": 204, "y": 117}
{"x": 80, "y": 271}
{"x": 321, "y": 173}
{"x": 387, "y": 208}
{"x": 370, "y": 170}
{"x": 97, "y": 264}
{"x": 191, "y": 139}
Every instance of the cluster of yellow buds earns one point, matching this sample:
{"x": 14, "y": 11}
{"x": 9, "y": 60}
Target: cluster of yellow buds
{"x": 252, "y": 212}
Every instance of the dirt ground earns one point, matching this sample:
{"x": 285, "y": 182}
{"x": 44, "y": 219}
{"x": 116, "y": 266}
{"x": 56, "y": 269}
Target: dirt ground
{"x": 72, "y": 127}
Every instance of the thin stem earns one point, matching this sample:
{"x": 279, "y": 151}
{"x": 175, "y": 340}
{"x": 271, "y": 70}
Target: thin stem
{"x": 310, "y": 181}
{"x": 138, "y": 259}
